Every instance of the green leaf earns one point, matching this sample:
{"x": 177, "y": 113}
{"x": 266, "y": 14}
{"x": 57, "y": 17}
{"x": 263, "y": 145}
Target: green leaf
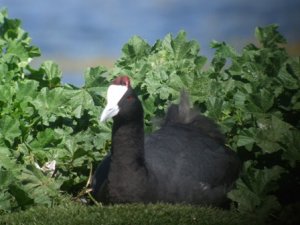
{"x": 5, "y": 200}
{"x": 269, "y": 36}
{"x": 240, "y": 99}
{"x": 62, "y": 102}
{"x": 79, "y": 101}
{"x": 272, "y": 131}
{"x": 7, "y": 93}
{"x": 39, "y": 187}
{"x": 244, "y": 140}
{"x": 135, "y": 48}
{"x": 18, "y": 49}
{"x": 254, "y": 190}
{"x": 52, "y": 73}
{"x": 45, "y": 139}
{"x": 223, "y": 50}
{"x": 95, "y": 77}
{"x": 50, "y": 102}
{"x": 96, "y": 84}
{"x": 9, "y": 129}
{"x": 26, "y": 90}
{"x": 182, "y": 48}
{"x": 6, "y": 159}
{"x": 261, "y": 101}
{"x": 214, "y": 106}
{"x": 291, "y": 145}
{"x": 20, "y": 196}
{"x": 293, "y": 67}
{"x": 6, "y": 178}
{"x": 289, "y": 75}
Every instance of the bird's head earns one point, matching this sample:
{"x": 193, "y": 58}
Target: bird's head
{"x": 121, "y": 100}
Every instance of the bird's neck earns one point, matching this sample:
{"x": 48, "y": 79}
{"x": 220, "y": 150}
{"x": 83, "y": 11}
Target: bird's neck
{"x": 128, "y": 141}
{"x": 128, "y": 173}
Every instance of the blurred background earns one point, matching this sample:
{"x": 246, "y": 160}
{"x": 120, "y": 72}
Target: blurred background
{"x": 78, "y": 34}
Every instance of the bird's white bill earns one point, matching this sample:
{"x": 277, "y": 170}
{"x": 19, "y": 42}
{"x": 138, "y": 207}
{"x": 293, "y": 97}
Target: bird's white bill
{"x": 114, "y": 95}
{"x": 109, "y": 112}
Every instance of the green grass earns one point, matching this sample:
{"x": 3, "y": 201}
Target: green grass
{"x": 72, "y": 214}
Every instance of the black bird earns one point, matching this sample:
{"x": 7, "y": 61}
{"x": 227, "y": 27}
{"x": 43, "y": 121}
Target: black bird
{"x": 185, "y": 161}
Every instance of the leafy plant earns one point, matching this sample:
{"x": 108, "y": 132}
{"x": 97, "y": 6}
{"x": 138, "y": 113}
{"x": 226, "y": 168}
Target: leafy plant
{"x": 43, "y": 121}
{"x": 259, "y": 93}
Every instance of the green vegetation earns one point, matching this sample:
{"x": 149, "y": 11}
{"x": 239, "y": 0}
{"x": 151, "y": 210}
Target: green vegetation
{"x": 254, "y": 96}
{"x": 42, "y": 120}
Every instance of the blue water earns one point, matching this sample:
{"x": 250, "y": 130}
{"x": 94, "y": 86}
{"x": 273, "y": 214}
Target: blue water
{"x": 99, "y": 28}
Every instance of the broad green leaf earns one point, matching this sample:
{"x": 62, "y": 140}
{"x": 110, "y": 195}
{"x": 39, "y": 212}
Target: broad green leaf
{"x": 6, "y": 178}
{"x": 149, "y": 106}
{"x": 214, "y": 106}
{"x": 223, "y": 50}
{"x": 253, "y": 188}
{"x": 101, "y": 138}
{"x": 19, "y": 50}
{"x": 246, "y": 199}
{"x": 240, "y": 99}
{"x": 5, "y": 201}
{"x": 3, "y": 71}
{"x": 269, "y": 36}
{"x": 9, "y": 129}
{"x": 272, "y": 131}
{"x": 261, "y": 101}
{"x": 7, "y": 93}
{"x": 26, "y": 90}
{"x": 44, "y": 141}
{"x": 3, "y": 15}
{"x": 80, "y": 101}
{"x": 288, "y": 80}
{"x": 62, "y": 102}
{"x": 94, "y": 77}
{"x": 291, "y": 145}
{"x": 50, "y": 103}
{"x": 6, "y": 159}
{"x": 295, "y": 101}
{"x": 135, "y": 48}
{"x": 164, "y": 94}
{"x": 218, "y": 63}
{"x": 39, "y": 187}
{"x": 182, "y": 48}
{"x": 21, "y": 196}
{"x": 245, "y": 140}
{"x": 293, "y": 67}
{"x": 52, "y": 73}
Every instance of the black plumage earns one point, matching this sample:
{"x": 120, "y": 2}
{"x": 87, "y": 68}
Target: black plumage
{"x": 185, "y": 161}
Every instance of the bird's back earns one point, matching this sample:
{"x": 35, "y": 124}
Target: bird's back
{"x": 188, "y": 158}
{"x": 187, "y": 163}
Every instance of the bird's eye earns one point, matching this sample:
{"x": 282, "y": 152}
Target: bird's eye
{"x": 129, "y": 97}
